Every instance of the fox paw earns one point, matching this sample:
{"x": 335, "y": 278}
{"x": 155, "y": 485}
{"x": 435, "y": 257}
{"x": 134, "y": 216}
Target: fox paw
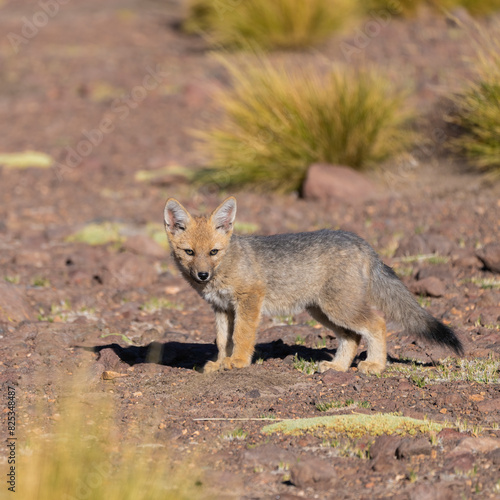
{"x": 370, "y": 367}
{"x": 330, "y": 365}
{"x": 230, "y": 363}
{"x": 211, "y": 366}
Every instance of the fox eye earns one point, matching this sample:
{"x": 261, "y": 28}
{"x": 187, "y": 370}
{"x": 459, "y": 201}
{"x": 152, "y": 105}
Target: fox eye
{"x": 189, "y": 251}
{"x": 214, "y": 251}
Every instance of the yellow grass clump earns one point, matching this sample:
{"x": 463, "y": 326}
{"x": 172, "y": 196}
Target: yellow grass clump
{"x": 477, "y": 112}
{"x": 268, "y": 24}
{"x": 278, "y": 121}
{"x": 84, "y": 456}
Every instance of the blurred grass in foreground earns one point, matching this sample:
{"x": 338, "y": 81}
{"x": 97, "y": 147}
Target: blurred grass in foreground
{"x": 85, "y": 456}
{"x": 278, "y": 121}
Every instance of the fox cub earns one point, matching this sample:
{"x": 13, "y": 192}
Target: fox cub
{"x": 335, "y": 275}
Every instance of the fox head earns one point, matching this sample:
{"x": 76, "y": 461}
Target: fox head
{"x": 199, "y": 243}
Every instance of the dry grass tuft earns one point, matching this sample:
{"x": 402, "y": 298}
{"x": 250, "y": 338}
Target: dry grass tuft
{"x": 84, "y": 456}
{"x": 278, "y": 121}
{"x": 268, "y": 24}
{"x": 410, "y": 7}
{"x": 477, "y": 111}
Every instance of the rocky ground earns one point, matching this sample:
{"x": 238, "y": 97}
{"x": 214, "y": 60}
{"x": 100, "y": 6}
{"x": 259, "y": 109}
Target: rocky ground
{"x": 121, "y": 308}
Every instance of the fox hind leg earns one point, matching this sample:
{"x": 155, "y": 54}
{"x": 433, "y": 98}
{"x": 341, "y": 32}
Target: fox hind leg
{"x": 348, "y": 343}
{"x": 373, "y": 330}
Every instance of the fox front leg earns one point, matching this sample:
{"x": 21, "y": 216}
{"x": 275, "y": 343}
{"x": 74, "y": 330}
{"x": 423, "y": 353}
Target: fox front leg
{"x": 247, "y": 317}
{"x": 224, "y": 325}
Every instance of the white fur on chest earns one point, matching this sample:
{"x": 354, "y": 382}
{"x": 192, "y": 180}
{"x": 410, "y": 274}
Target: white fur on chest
{"x": 222, "y": 298}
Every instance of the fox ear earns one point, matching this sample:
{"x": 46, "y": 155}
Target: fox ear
{"x": 176, "y": 217}
{"x": 223, "y": 216}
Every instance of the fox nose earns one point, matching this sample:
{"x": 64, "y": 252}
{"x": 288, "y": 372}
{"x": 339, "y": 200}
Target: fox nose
{"x": 203, "y": 276}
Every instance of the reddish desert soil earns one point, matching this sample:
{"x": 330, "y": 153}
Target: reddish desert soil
{"x": 72, "y": 304}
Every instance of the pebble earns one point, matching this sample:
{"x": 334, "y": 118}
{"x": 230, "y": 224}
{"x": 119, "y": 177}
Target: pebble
{"x": 332, "y": 377}
{"x": 410, "y": 447}
{"x": 477, "y": 445}
{"x": 143, "y": 245}
{"x": 490, "y": 256}
{"x": 312, "y": 471}
{"x": 461, "y": 463}
{"x": 430, "y": 286}
{"x": 431, "y": 492}
{"x": 326, "y": 181}
{"x": 267, "y": 455}
{"x": 13, "y": 304}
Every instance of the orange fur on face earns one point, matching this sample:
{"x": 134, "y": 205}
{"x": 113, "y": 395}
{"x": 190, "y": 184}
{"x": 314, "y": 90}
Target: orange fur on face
{"x": 198, "y": 243}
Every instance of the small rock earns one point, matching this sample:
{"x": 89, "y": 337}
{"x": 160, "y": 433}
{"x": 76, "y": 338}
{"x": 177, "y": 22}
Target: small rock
{"x": 386, "y": 465}
{"x": 423, "y": 244}
{"x": 130, "y": 310}
{"x": 254, "y": 393}
{"x": 385, "y": 446}
{"x": 410, "y": 447}
{"x": 286, "y": 496}
{"x": 80, "y": 278}
{"x": 326, "y": 181}
{"x": 13, "y": 304}
{"x": 459, "y": 463}
{"x": 143, "y": 245}
{"x": 441, "y": 271}
{"x": 490, "y": 256}
{"x": 307, "y": 440}
{"x": 476, "y": 445}
{"x": 128, "y": 270}
{"x": 311, "y": 471}
{"x": 404, "y": 386}
{"x": 109, "y": 375}
{"x": 450, "y": 435}
{"x": 494, "y": 456}
{"x": 452, "y": 399}
{"x": 35, "y": 258}
{"x": 267, "y": 455}
{"x": 431, "y": 287}
{"x": 489, "y": 315}
{"x": 431, "y": 492}
{"x": 488, "y": 299}
{"x": 439, "y": 244}
{"x": 469, "y": 261}
{"x": 489, "y": 405}
{"x": 150, "y": 335}
{"x": 332, "y": 377}
{"x": 466, "y": 258}
{"x": 109, "y": 359}
{"x": 414, "y": 245}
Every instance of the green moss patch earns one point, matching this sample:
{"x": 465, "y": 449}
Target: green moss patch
{"x": 97, "y": 234}
{"x": 27, "y": 159}
{"x": 356, "y": 425}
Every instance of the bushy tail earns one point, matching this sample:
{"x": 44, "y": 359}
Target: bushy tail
{"x": 391, "y": 296}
